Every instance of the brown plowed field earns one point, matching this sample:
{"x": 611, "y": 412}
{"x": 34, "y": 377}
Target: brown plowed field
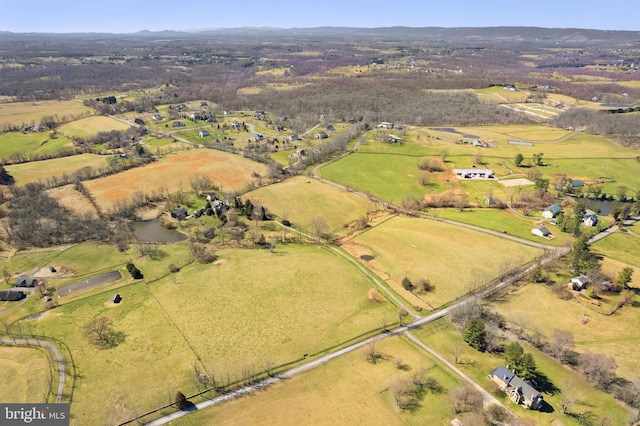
{"x": 227, "y": 171}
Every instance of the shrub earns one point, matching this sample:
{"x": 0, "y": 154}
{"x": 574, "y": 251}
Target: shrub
{"x": 135, "y": 272}
{"x": 407, "y": 284}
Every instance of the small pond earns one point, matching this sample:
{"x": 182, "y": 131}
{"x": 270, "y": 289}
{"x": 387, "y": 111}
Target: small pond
{"x": 151, "y": 231}
{"x": 602, "y": 207}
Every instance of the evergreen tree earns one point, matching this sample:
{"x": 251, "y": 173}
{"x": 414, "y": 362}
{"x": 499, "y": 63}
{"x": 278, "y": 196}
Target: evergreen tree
{"x": 474, "y": 333}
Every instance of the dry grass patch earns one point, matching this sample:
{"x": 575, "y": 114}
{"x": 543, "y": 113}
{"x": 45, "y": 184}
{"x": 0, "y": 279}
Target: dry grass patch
{"x": 173, "y": 172}
{"x": 72, "y": 200}
{"x": 26, "y": 112}
{"x": 24, "y": 374}
{"x": 451, "y": 257}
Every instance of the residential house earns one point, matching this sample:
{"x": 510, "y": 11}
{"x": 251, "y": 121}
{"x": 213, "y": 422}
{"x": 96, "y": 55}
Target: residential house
{"x": 579, "y": 283}
{"x": 577, "y": 183}
{"x": 11, "y": 296}
{"x": 177, "y": 124}
{"x": 211, "y": 197}
{"x": 256, "y": 138}
{"x": 385, "y": 125}
{"x": 179, "y": 214}
{"x": 590, "y": 220}
{"x": 329, "y": 128}
{"x": 294, "y": 137}
{"x": 26, "y": 281}
{"x": 541, "y": 231}
{"x": 519, "y": 391}
{"x": 552, "y": 211}
{"x": 203, "y": 104}
{"x": 196, "y": 115}
{"x": 227, "y": 112}
{"x": 474, "y": 173}
{"x": 321, "y": 135}
{"x": 157, "y": 117}
{"x": 204, "y": 133}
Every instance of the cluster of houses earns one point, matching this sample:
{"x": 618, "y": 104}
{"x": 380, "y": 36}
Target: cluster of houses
{"x": 217, "y": 208}
{"x": 551, "y": 212}
{"x": 36, "y": 128}
{"x": 518, "y": 390}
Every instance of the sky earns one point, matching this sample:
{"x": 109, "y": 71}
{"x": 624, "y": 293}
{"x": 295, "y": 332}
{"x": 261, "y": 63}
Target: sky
{"x": 127, "y": 16}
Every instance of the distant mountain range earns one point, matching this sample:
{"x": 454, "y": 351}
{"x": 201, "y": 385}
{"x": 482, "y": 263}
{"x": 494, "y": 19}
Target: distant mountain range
{"x": 504, "y": 34}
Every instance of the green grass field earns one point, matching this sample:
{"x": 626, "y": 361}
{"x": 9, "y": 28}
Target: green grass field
{"x": 24, "y": 374}
{"x": 32, "y": 143}
{"x": 443, "y": 337}
{"x": 27, "y": 112}
{"x": 617, "y": 335}
{"x": 41, "y": 170}
{"x": 301, "y": 200}
{"x": 620, "y": 246}
{"x": 251, "y": 307}
{"x": 453, "y": 258}
{"x": 347, "y": 390}
{"x": 386, "y": 176}
{"x": 503, "y": 220}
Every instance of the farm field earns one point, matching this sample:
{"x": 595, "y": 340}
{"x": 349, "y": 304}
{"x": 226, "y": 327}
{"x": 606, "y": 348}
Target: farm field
{"x": 18, "y": 144}
{"x": 347, "y": 390}
{"x": 227, "y": 171}
{"x": 442, "y": 336}
{"x": 454, "y": 259}
{"x": 261, "y": 306}
{"x": 617, "y": 335}
{"x": 41, "y": 170}
{"x": 88, "y": 127}
{"x": 24, "y": 374}
{"x": 498, "y": 94}
{"x": 17, "y": 113}
{"x": 301, "y": 200}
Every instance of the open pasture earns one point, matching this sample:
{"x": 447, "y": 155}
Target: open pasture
{"x": 443, "y": 337}
{"x": 622, "y": 247}
{"x": 226, "y": 171}
{"x": 24, "y": 374}
{"x": 498, "y": 94}
{"x": 347, "y": 390}
{"x": 386, "y": 176}
{"x": 136, "y": 376}
{"x": 255, "y": 306}
{"x": 301, "y": 200}
{"x": 18, "y": 113}
{"x": 34, "y": 171}
{"x": 617, "y": 335}
{"x": 31, "y": 144}
{"x": 90, "y": 126}
{"x": 453, "y": 258}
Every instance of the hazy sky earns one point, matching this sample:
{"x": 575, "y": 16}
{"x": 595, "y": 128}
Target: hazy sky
{"x": 120, "y": 16}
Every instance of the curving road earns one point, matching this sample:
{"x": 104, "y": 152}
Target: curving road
{"x": 53, "y": 349}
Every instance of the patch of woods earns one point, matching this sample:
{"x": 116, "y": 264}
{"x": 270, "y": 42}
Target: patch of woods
{"x": 624, "y": 128}
{"x": 36, "y": 219}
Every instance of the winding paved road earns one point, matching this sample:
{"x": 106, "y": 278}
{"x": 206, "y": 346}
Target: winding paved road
{"x": 53, "y": 349}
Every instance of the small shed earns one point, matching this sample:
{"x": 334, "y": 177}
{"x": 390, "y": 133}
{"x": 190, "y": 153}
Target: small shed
{"x": 26, "y": 281}
{"x": 179, "y": 214}
{"x": 541, "y": 231}
{"x": 552, "y": 211}
{"x": 116, "y": 299}
{"x": 590, "y": 220}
